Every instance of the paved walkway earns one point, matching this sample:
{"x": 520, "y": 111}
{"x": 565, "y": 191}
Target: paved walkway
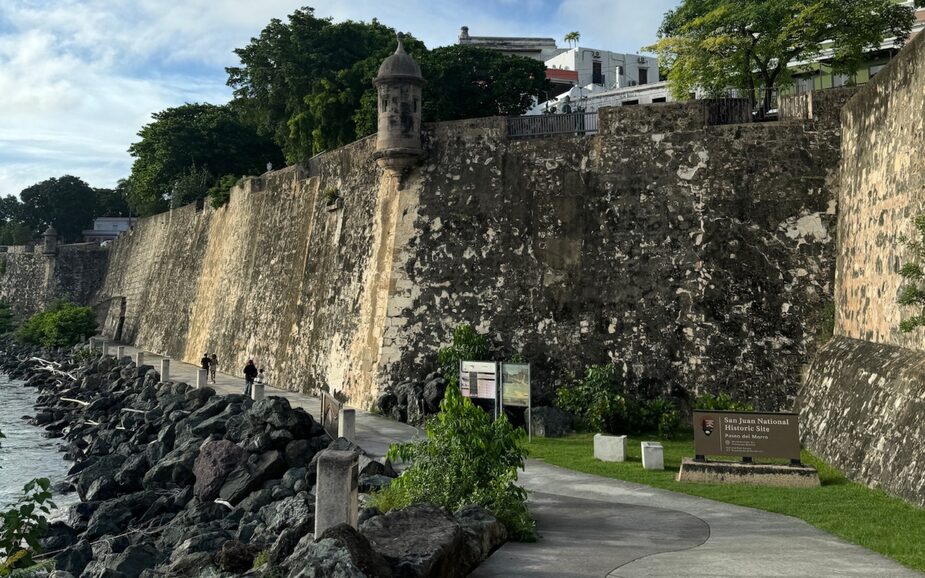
{"x": 594, "y": 526}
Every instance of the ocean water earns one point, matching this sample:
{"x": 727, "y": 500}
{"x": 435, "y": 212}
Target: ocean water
{"x": 24, "y": 453}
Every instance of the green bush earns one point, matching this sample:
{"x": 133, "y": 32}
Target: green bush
{"x": 601, "y": 405}
{"x": 466, "y": 459}
{"x": 61, "y": 325}
{"x": 467, "y": 346}
{"x": 6, "y": 317}
{"x": 721, "y": 402}
{"x": 220, "y": 193}
{"x": 23, "y": 525}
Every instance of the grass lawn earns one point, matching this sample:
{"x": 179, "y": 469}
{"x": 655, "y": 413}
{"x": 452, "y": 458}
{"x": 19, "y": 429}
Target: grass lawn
{"x": 851, "y": 511}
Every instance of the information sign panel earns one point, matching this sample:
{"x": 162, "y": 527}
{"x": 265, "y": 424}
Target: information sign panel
{"x": 515, "y": 384}
{"x": 478, "y": 379}
{"x": 748, "y": 434}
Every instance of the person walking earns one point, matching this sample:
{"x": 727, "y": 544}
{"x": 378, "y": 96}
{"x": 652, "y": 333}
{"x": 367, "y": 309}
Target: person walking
{"x": 205, "y": 362}
{"x": 213, "y": 366}
{"x": 250, "y": 373}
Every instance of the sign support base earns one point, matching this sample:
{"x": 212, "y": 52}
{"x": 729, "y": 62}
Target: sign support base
{"x": 784, "y": 476}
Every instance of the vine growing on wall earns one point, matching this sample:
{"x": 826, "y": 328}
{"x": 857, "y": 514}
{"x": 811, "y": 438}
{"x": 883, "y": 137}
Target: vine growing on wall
{"x": 913, "y": 292}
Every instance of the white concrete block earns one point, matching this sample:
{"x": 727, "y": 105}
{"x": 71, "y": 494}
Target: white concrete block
{"x": 653, "y": 456}
{"x": 609, "y": 448}
{"x": 140, "y": 358}
{"x": 336, "y": 499}
{"x": 346, "y": 424}
{"x": 202, "y": 378}
{"x": 258, "y": 391}
{"x": 165, "y": 370}
{"x": 120, "y": 352}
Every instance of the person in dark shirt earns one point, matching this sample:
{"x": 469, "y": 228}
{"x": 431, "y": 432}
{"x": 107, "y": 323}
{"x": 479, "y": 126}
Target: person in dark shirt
{"x": 250, "y": 372}
{"x": 205, "y": 362}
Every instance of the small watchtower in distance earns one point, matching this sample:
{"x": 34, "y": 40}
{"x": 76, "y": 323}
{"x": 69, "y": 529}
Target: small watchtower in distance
{"x": 399, "y": 83}
{"x": 50, "y": 238}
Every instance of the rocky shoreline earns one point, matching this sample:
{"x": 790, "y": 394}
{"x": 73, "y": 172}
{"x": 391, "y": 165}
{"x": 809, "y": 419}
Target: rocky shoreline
{"x": 179, "y": 481}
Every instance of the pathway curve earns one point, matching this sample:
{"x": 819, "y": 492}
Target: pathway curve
{"x": 601, "y": 527}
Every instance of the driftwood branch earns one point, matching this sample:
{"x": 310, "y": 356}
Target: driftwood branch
{"x": 52, "y": 367}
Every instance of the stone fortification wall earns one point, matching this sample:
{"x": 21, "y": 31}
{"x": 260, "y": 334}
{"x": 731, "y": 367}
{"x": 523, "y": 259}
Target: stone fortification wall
{"x": 30, "y": 279}
{"x": 690, "y": 255}
{"x": 861, "y": 404}
{"x": 276, "y": 275}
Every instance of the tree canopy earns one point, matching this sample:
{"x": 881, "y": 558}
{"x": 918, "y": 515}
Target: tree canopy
{"x": 67, "y": 203}
{"x": 719, "y": 44}
{"x": 307, "y": 82}
{"x": 470, "y": 82}
{"x": 190, "y": 144}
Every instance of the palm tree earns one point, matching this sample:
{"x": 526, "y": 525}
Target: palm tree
{"x": 572, "y": 37}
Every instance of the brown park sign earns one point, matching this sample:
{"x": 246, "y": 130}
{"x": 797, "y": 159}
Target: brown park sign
{"x": 750, "y": 434}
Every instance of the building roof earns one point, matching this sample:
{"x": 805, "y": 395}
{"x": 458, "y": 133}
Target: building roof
{"x": 508, "y": 43}
{"x": 399, "y": 66}
{"x": 561, "y": 75}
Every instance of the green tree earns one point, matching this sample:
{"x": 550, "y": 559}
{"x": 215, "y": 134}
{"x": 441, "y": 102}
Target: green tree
{"x": 307, "y": 82}
{"x": 470, "y": 82}
{"x": 67, "y": 203}
{"x": 220, "y": 193}
{"x": 715, "y": 45}
{"x": 112, "y": 202}
{"x": 210, "y": 138}
{"x": 572, "y": 38}
{"x": 466, "y": 459}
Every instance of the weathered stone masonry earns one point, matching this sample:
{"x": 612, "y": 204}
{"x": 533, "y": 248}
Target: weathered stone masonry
{"x": 690, "y": 255}
{"x": 864, "y": 399}
{"x": 30, "y": 278}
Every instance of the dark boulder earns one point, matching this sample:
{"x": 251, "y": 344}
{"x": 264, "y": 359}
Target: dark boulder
{"x": 215, "y": 461}
{"x": 434, "y": 392}
{"x": 418, "y": 541}
{"x": 103, "y": 468}
{"x": 238, "y": 485}
{"x": 299, "y": 453}
{"x": 75, "y": 558}
{"x": 237, "y": 557}
{"x": 482, "y": 534}
{"x": 550, "y": 422}
{"x": 129, "y": 563}
{"x": 294, "y": 511}
{"x": 385, "y": 402}
{"x": 361, "y": 551}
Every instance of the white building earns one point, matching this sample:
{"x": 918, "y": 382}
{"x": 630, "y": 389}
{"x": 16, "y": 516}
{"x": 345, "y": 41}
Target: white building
{"x": 108, "y": 228}
{"x": 605, "y": 68}
{"x": 593, "y": 97}
{"x": 536, "y": 48}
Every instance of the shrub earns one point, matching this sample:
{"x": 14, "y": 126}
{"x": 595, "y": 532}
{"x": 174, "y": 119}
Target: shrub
{"x": 913, "y": 293}
{"x": 330, "y": 194}
{"x": 466, "y": 459}
{"x": 601, "y": 404}
{"x": 467, "y": 346}
{"x": 6, "y": 318}
{"x": 220, "y": 193}
{"x": 595, "y": 399}
{"x": 61, "y": 325}
{"x": 24, "y": 523}
{"x": 721, "y": 402}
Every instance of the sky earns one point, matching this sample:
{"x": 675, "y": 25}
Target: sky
{"x": 79, "y": 78}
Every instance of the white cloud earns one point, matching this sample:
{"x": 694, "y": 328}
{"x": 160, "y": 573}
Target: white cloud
{"x": 78, "y": 78}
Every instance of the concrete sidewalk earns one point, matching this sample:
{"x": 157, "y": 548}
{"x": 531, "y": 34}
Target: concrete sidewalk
{"x": 594, "y": 526}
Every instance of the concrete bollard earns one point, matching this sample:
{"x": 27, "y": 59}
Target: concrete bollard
{"x": 140, "y": 358}
{"x": 165, "y": 370}
{"x": 105, "y": 348}
{"x": 347, "y": 424}
{"x": 120, "y": 351}
{"x": 609, "y": 448}
{"x": 336, "y": 500}
{"x": 202, "y": 378}
{"x": 92, "y": 343}
{"x": 257, "y": 391}
{"x": 653, "y": 457}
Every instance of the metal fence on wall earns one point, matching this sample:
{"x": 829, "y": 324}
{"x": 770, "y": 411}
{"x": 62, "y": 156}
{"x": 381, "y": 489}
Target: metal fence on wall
{"x": 739, "y": 106}
{"x": 575, "y": 123}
